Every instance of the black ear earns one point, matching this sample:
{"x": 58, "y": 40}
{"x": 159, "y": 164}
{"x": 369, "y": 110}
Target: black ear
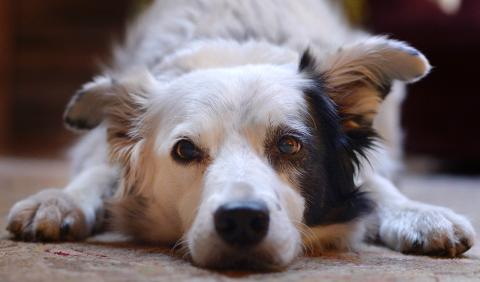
{"x": 344, "y": 95}
{"x": 328, "y": 184}
{"x": 358, "y": 76}
{"x": 105, "y": 96}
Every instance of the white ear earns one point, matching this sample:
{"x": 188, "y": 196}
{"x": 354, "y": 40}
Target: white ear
{"x": 103, "y": 96}
{"x": 358, "y": 76}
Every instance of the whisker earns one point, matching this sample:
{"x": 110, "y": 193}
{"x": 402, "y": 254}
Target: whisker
{"x": 180, "y": 248}
{"x": 307, "y": 235}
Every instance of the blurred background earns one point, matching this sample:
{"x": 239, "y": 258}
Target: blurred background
{"x": 49, "y": 48}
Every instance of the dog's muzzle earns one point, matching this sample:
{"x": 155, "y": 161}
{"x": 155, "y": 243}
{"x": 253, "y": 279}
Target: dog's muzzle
{"x": 243, "y": 223}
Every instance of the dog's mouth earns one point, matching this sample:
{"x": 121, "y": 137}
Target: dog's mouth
{"x": 244, "y": 260}
{"x": 233, "y": 259}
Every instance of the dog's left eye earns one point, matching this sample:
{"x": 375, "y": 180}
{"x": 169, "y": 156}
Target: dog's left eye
{"x": 186, "y": 151}
{"x": 289, "y": 145}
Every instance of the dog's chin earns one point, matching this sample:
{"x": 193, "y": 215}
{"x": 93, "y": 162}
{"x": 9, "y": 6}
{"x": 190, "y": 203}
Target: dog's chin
{"x": 265, "y": 257}
{"x": 239, "y": 259}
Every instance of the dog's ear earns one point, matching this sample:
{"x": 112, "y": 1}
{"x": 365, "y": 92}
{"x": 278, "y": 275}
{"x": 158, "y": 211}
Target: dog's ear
{"x": 106, "y": 98}
{"x": 86, "y": 108}
{"x": 357, "y": 77}
{"x": 120, "y": 103}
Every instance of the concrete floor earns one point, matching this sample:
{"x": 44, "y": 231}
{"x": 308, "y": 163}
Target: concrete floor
{"x": 98, "y": 260}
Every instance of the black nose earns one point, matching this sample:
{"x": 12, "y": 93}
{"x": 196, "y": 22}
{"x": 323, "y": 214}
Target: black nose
{"x": 242, "y": 223}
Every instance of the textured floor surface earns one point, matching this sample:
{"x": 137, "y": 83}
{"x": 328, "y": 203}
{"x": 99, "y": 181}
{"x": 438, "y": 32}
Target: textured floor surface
{"x": 95, "y": 261}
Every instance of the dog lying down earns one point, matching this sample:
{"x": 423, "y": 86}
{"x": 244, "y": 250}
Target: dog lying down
{"x": 247, "y": 132}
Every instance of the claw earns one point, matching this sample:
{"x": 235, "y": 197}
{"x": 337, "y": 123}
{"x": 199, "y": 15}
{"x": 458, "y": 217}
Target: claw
{"x": 64, "y": 229}
{"x": 39, "y": 236}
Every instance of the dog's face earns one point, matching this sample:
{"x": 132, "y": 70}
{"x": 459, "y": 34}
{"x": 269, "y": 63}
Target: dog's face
{"x": 239, "y": 162}
{"x": 230, "y": 150}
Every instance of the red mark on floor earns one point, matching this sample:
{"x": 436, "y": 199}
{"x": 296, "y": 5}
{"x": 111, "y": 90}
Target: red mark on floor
{"x": 60, "y": 253}
{"x": 73, "y": 253}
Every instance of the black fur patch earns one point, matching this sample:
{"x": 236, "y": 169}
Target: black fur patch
{"x": 79, "y": 124}
{"x": 332, "y": 158}
{"x": 307, "y": 63}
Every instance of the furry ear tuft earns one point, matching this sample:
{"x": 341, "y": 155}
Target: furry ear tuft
{"x": 107, "y": 98}
{"x": 358, "y": 76}
{"x": 121, "y": 103}
{"x": 86, "y": 108}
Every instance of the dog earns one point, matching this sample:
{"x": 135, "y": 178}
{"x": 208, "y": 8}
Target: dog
{"x": 246, "y": 132}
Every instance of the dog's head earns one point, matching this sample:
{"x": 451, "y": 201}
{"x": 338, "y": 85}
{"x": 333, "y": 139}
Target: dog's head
{"x": 239, "y": 162}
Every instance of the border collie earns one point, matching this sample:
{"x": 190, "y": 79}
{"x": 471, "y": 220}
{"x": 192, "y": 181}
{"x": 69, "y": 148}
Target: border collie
{"x": 246, "y": 132}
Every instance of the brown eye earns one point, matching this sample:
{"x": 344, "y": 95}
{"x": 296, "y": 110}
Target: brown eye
{"x": 289, "y": 145}
{"x": 186, "y": 151}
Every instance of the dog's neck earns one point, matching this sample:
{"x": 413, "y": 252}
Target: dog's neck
{"x": 207, "y": 54}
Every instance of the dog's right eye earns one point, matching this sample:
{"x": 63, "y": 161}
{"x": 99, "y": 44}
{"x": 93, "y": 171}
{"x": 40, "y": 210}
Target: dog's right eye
{"x": 186, "y": 151}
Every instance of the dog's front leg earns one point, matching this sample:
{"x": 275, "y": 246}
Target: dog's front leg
{"x": 413, "y": 227}
{"x": 68, "y": 214}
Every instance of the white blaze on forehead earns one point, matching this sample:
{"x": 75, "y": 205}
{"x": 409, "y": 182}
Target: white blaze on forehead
{"x": 206, "y": 105}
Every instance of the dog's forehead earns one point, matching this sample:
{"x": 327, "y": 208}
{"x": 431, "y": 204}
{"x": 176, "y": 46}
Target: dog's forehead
{"x": 216, "y": 101}
{"x": 246, "y": 92}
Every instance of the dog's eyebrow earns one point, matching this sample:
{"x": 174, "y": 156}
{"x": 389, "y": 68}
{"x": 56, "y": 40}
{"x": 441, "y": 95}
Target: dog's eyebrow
{"x": 166, "y": 140}
{"x": 192, "y": 138}
{"x": 302, "y": 131}
{"x": 275, "y": 132}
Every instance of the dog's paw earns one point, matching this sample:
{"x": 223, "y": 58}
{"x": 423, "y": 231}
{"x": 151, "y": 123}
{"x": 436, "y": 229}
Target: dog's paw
{"x": 50, "y": 215}
{"x": 426, "y": 230}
